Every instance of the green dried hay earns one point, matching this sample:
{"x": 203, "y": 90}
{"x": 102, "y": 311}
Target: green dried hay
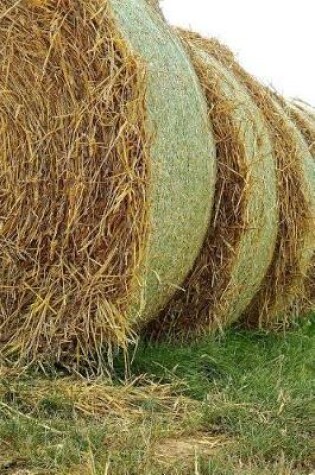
{"x": 105, "y": 174}
{"x": 284, "y": 281}
{"x": 242, "y": 236}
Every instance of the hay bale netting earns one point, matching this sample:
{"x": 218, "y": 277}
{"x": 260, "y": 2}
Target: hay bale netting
{"x": 242, "y": 236}
{"x": 304, "y": 119}
{"x": 285, "y": 280}
{"x": 107, "y": 174}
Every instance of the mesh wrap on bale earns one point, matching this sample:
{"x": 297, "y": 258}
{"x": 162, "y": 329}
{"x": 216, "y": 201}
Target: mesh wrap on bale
{"x": 242, "y": 236}
{"x": 183, "y": 179}
{"x": 105, "y": 174}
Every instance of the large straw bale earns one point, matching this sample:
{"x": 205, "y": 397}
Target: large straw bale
{"x": 242, "y": 236}
{"x": 304, "y": 118}
{"x": 298, "y": 265}
{"x": 284, "y": 281}
{"x": 106, "y": 172}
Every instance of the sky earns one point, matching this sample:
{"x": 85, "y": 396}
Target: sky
{"x": 273, "y": 39}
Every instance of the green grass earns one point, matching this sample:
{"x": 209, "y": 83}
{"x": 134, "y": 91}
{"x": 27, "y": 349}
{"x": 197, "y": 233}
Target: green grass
{"x": 247, "y": 397}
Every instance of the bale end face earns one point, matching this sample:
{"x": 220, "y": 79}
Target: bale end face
{"x": 73, "y": 176}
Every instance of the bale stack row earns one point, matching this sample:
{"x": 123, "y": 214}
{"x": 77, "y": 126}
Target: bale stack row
{"x": 289, "y": 206}
{"x": 148, "y": 183}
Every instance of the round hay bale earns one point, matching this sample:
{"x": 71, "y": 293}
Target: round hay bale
{"x": 304, "y": 118}
{"x": 284, "y": 281}
{"x": 285, "y": 305}
{"x": 244, "y": 227}
{"x": 107, "y": 174}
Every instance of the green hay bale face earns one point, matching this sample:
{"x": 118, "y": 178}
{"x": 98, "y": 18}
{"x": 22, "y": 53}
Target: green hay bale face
{"x": 182, "y": 153}
{"x": 105, "y": 174}
{"x": 244, "y": 229}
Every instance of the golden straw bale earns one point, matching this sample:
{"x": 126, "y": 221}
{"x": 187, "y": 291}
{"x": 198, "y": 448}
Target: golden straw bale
{"x": 304, "y": 118}
{"x": 105, "y": 172}
{"x": 284, "y": 282}
{"x": 242, "y": 235}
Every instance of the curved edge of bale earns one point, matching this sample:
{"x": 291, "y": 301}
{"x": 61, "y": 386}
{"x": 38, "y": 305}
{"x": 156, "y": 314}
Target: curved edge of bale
{"x": 182, "y": 153}
{"x": 306, "y": 173}
{"x": 224, "y": 279}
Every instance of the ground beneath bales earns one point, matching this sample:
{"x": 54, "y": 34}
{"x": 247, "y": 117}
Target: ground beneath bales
{"x": 235, "y": 404}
